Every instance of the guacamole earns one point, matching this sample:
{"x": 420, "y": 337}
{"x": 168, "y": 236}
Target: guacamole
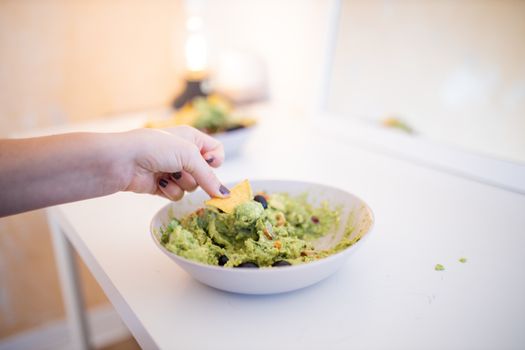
{"x": 268, "y": 230}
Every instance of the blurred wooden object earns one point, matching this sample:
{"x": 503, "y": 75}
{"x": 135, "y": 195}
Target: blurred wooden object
{"x": 129, "y": 344}
{"x": 30, "y": 292}
{"x": 74, "y": 60}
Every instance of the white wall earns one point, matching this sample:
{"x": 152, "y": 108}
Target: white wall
{"x": 290, "y": 36}
{"x": 455, "y": 70}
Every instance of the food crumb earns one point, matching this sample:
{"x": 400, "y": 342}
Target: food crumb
{"x": 439, "y": 267}
{"x": 462, "y": 260}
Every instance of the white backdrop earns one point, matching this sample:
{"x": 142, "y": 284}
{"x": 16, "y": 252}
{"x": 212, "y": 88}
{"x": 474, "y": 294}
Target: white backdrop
{"x": 454, "y": 70}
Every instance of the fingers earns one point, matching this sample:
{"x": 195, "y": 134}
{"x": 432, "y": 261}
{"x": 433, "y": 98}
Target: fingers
{"x": 211, "y": 149}
{"x": 184, "y": 181}
{"x": 214, "y": 158}
{"x": 170, "y": 189}
{"x": 195, "y": 165}
{"x": 186, "y": 167}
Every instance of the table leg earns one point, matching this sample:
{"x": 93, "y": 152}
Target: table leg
{"x": 70, "y": 285}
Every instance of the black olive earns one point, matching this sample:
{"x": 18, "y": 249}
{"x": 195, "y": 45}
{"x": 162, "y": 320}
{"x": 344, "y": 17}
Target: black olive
{"x": 281, "y": 263}
{"x": 248, "y": 264}
{"x": 223, "y": 259}
{"x": 220, "y": 245}
{"x": 315, "y": 219}
{"x": 262, "y": 200}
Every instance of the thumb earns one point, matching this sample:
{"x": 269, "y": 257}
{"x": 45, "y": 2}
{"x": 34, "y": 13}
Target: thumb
{"x": 194, "y": 164}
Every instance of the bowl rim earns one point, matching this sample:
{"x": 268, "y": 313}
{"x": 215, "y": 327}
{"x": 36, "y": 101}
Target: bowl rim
{"x": 267, "y": 269}
{"x": 234, "y": 131}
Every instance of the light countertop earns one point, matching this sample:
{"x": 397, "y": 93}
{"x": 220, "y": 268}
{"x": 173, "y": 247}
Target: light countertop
{"x": 387, "y": 296}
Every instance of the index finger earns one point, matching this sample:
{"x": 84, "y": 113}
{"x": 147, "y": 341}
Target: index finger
{"x": 194, "y": 164}
{"x": 210, "y": 148}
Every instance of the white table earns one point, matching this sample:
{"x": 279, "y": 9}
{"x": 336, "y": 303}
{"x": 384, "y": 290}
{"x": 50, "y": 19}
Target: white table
{"x": 387, "y": 296}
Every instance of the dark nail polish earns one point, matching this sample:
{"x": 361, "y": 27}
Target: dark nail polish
{"x": 224, "y": 190}
{"x": 210, "y": 160}
{"x": 163, "y": 183}
{"x": 177, "y": 175}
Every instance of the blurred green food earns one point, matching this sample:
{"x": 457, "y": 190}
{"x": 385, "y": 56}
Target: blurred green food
{"x": 211, "y": 117}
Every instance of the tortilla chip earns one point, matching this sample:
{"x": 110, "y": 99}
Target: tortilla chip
{"x": 240, "y": 193}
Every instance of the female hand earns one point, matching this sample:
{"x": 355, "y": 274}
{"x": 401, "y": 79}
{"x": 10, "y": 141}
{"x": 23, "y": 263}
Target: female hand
{"x": 43, "y": 171}
{"x": 171, "y": 161}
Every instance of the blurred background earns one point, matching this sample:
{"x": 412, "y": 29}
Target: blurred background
{"x": 448, "y": 71}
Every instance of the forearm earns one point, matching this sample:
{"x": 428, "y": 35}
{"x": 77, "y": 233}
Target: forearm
{"x": 44, "y": 171}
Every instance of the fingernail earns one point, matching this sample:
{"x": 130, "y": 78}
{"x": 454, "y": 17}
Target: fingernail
{"x": 224, "y": 190}
{"x": 210, "y": 160}
{"x": 177, "y": 175}
{"x": 163, "y": 183}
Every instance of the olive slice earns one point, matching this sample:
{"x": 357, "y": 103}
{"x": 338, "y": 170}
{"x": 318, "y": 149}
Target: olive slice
{"x": 248, "y": 264}
{"x": 281, "y": 263}
{"x": 262, "y": 200}
{"x": 223, "y": 259}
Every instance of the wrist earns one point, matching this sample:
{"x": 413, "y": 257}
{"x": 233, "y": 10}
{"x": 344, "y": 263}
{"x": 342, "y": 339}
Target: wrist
{"x": 120, "y": 161}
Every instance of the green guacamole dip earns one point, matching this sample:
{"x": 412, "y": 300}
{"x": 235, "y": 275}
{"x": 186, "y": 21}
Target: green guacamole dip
{"x": 278, "y": 232}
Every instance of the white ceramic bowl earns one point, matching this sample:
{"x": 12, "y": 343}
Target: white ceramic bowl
{"x": 355, "y": 212}
{"x": 233, "y": 141}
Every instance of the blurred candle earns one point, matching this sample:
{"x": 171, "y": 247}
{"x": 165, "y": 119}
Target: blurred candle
{"x": 196, "y": 49}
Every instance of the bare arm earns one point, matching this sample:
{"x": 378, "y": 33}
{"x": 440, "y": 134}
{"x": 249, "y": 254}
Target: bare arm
{"x": 44, "y": 171}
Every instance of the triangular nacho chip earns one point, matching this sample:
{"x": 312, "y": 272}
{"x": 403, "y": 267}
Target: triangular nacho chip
{"x": 240, "y": 193}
